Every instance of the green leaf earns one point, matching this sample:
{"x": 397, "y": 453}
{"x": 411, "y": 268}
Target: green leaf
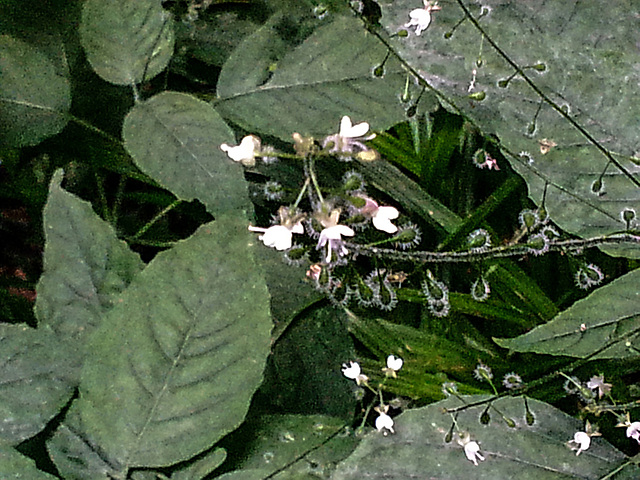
{"x": 302, "y": 374}
{"x": 76, "y": 454}
{"x": 607, "y": 322}
{"x": 86, "y": 267}
{"x": 290, "y": 447}
{"x": 201, "y": 467}
{"x": 16, "y": 466}
{"x": 577, "y": 96}
{"x": 34, "y": 98}
{"x": 37, "y": 378}
{"x": 126, "y": 42}
{"x": 327, "y": 76}
{"x": 174, "y": 365}
{"x": 418, "y": 449}
{"x": 175, "y": 138}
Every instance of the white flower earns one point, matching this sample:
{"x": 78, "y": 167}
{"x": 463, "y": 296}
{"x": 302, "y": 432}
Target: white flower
{"x": 472, "y": 451}
{"x": 244, "y": 153}
{"x": 332, "y": 237}
{"x": 384, "y": 422}
{"x": 353, "y": 372}
{"x": 597, "y": 383}
{"x": 582, "y": 440}
{"x": 382, "y": 219}
{"x": 380, "y": 216}
{"x": 394, "y": 363}
{"x": 633, "y": 431}
{"x": 421, "y": 17}
{"x": 279, "y": 237}
{"x": 350, "y": 136}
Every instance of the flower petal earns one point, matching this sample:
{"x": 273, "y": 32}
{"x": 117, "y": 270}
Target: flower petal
{"x": 277, "y": 236}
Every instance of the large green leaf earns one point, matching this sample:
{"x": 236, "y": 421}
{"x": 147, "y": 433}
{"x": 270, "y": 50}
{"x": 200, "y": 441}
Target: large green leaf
{"x": 37, "y": 377}
{"x": 76, "y": 454}
{"x": 607, "y": 321}
{"x": 174, "y": 365}
{"x": 579, "y": 101}
{"x": 34, "y": 98}
{"x": 16, "y": 466}
{"x": 175, "y": 138}
{"x": 86, "y": 267}
{"x": 327, "y": 76}
{"x": 526, "y": 452}
{"x": 126, "y": 42}
{"x": 290, "y": 447}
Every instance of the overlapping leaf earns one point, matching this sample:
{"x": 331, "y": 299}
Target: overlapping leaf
{"x": 607, "y": 322}
{"x": 86, "y": 267}
{"x": 527, "y": 452}
{"x": 175, "y": 138}
{"x": 175, "y": 363}
{"x": 37, "y": 377}
{"x": 126, "y": 42}
{"x": 562, "y": 76}
{"x": 15, "y": 465}
{"x": 329, "y": 75}
{"x": 34, "y": 98}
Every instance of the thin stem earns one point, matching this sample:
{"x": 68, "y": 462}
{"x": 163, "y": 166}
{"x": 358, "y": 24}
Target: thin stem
{"x": 145, "y": 228}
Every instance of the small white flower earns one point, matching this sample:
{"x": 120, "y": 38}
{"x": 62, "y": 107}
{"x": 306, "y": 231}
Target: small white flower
{"x": 353, "y": 372}
{"x": 244, "y": 153}
{"x": 394, "y": 363}
{"x": 472, "y": 451}
{"x": 279, "y": 237}
{"x": 582, "y": 440}
{"x": 633, "y": 431}
{"x": 350, "y": 136}
{"x": 384, "y": 422}
{"x": 382, "y": 219}
{"x": 380, "y": 216}
{"x": 421, "y": 17}
{"x": 332, "y": 237}
{"x": 597, "y": 383}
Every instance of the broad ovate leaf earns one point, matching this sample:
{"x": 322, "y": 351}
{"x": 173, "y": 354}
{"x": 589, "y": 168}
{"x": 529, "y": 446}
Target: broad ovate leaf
{"x": 174, "y": 365}
{"x": 37, "y": 378}
{"x": 126, "y": 42}
{"x": 34, "y": 98}
{"x": 290, "y": 446}
{"x": 175, "y": 138}
{"x": 606, "y": 323}
{"x": 327, "y": 76}
{"x": 550, "y": 85}
{"x": 86, "y": 267}
{"x": 76, "y": 454}
{"x": 14, "y": 465}
{"x": 425, "y": 445}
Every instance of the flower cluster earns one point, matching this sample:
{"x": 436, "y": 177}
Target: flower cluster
{"x": 384, "y": 423}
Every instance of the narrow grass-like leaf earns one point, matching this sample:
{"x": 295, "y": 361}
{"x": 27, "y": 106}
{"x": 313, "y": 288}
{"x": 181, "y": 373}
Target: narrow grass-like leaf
{"x": 327, "y": 76}
{"x": 13, "y": 465}
{"x": 34, "y": 99}
{"x": 537, "y": 452}
{"x": 607, "y": 322}
{"x": 126, "y": 42}
{"x": 37, "y": 377}
{"x": 175, "y": 363}
{"x": 86, "y": 267}
{"x": 175, "y": 138}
